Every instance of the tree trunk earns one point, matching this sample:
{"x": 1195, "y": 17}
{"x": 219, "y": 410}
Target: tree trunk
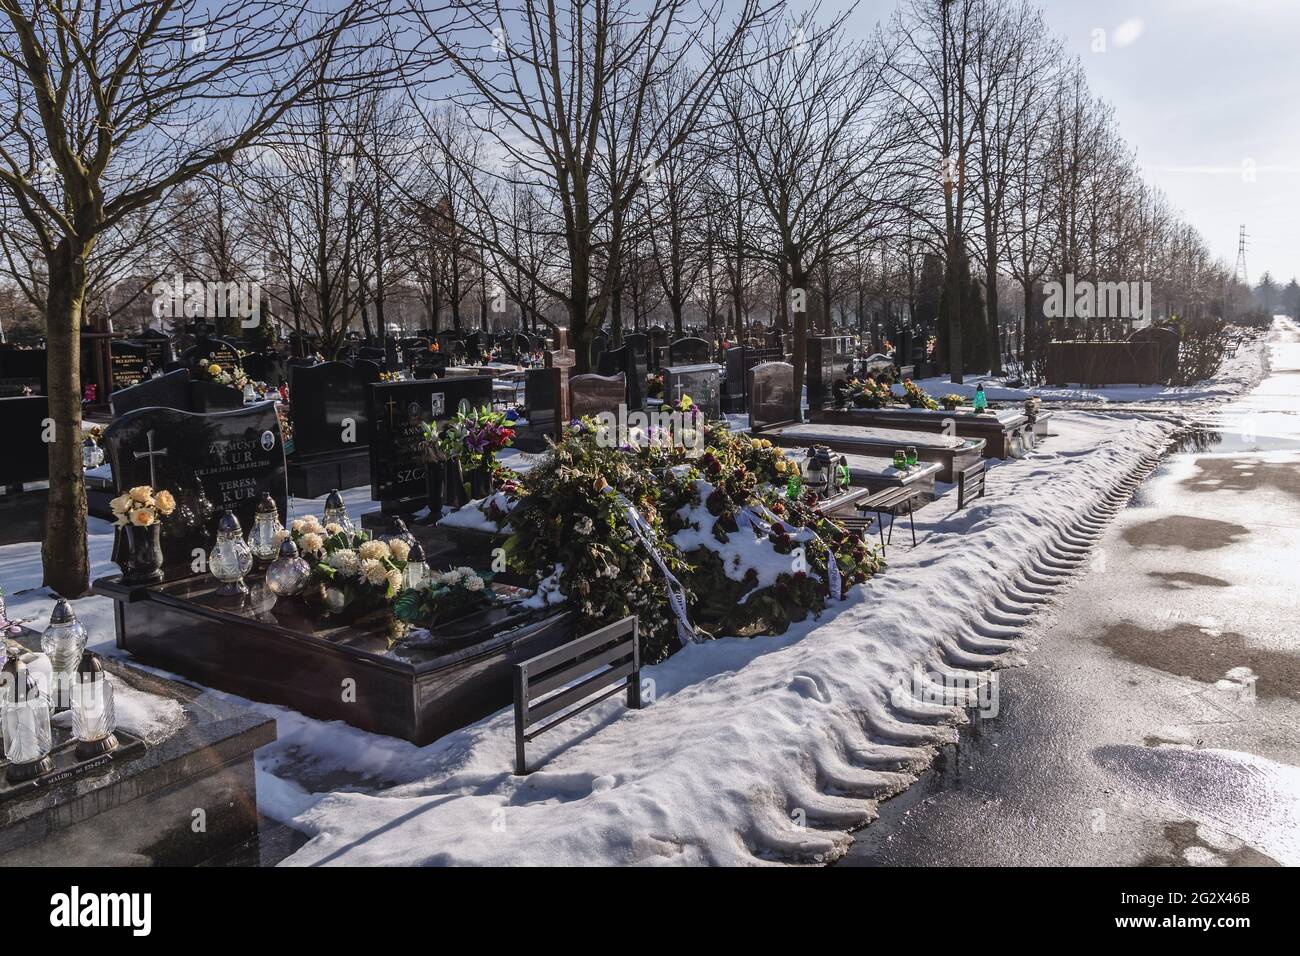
{"x": 799, "y": 280}
{"x": 63, "y": 553}
{"x": 952, "y": 280}
{"x": 991, "y": 310}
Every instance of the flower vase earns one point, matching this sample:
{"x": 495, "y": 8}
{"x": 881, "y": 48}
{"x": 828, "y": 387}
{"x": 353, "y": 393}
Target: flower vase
{"x": 144, "y": 557}
{"x": 453, "y": 492}
{"x": 435, "y": 482}
{"x": 480, "y": 478}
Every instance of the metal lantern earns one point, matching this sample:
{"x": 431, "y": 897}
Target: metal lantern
{"x": 263, "y": 539}
{"x": 91, "y": 454}
{"x": 93, "y": 716}
{"x": 250, "y": 393}
{"x": 63, "y": 642}
{"x": 231, "y": 558}
{"x": 416, "y": 573}
{"x": 25, "y": 718}
{"x": 819, "y": 470}
{"x": 289, "y": 572}
{"x": 336, "y": 512}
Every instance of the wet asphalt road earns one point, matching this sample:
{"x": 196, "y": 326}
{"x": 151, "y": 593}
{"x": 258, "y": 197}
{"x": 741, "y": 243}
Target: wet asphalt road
{"x": 1158, "y": 719}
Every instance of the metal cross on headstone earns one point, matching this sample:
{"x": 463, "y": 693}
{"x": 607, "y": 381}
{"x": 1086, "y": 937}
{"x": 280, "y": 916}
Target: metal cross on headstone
{"x": 392, "y": 403}
{"x": 151, "y": 454}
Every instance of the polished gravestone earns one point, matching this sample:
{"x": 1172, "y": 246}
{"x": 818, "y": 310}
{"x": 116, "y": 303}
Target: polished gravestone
{"x": 22, "y": 369}
{"x": 209, "y": 463}
{"x": 397, "y": 412}
{"x": 26, "y": 452}
{"x": 331, "y": 427}
{"x": 688, "y": 351}
{"x": 594, "y": 394}
{"x": 129, "y": 363}
{"x": 357, "y": 670}
{"x": 631, "y": 364}
{"x": 703, "y": 383}
{"x": 170, "y": 390}
{"x": 1006, "y": 433}
{"x": 830, "y": 367}
{"x": 772, "y": 398}
{"x": 188, "y": 751}
{"x": 214, "y": 351}
{"x": 739, "y": 359}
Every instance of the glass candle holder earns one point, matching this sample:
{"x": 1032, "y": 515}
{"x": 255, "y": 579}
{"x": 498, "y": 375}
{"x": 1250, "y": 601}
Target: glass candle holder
{"x": 91, "y": 455}
{"x": 416, "y": 573}
{"x": 912, "y": 456}
{"x": 264, "y": 538}
{"x": 289, "y": 572}
{"x": 63, "y": 642}
{"x": 94, "y": 718}
{"x": 231, "y": 558}
{"x": 25, "y": 723}
{"x": 336, "y": 512}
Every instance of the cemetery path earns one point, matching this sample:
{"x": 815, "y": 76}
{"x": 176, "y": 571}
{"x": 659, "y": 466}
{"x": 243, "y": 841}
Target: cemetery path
{"x": 1155, "y": 722}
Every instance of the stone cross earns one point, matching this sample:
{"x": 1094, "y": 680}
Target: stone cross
{"x": 151, "y": 454}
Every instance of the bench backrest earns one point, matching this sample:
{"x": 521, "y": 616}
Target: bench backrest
{"x": 571, "y": 678}
{"x": 970, "y": 482}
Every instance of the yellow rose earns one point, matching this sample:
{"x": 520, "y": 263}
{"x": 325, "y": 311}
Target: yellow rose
{"x": 142, "y": 517}
{"x": 214, "y": 369}
{"x": 141, "y": 494}
{"x": 121, "y": 504}
{"x": 165, "y": 502}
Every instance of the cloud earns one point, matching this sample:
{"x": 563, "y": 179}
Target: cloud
{"x": 1127, "y": 32}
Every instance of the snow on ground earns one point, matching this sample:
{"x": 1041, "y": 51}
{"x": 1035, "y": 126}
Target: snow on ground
{"x": 1237, "y": 374}
{"x": 740, "y": 738}
{"x": 743, "y": 737}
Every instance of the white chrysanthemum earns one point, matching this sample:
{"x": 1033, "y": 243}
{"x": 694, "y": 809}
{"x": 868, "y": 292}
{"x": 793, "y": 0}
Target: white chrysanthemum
{"x": 280, "y": 536}
{"x": 299, "y": 525}
{"x": 395, "y": 580}
{"x": 344, "y": 560}
{"x": 465, "y": 572}
{"x": 583, "y": 525}
{"x": 451, "y": 578}
{"x": 400, "y": 549}
{"x": 474, "y": 583}
{"x": 374, "y": 571}
{"x": 333, "y": 528}
{"x": 436, "y": 579}
{"x": 374, "y": 549}
{"x": 312, "y": 542}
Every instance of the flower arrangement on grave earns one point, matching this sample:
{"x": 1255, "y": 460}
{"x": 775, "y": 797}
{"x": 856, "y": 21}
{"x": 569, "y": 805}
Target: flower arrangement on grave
{"x": 570, "y": 528}
{"x": 758, "y": 561}
{"x": 286, "y": 425}
{"x": 140, "y": 513}
{"x": 350, "y": 571}
{"x": 654, "y": 386}
{"x": 916, "y": 397}
{"x": 869, "y": 393}
{"x": 481, "y": 433}
{"x": 444, "y": 597}
{"x": 952, "y": 400}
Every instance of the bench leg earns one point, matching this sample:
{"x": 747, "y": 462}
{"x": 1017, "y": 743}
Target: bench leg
{"x": 880, "y": 526}
{"x": 911, "y": 521}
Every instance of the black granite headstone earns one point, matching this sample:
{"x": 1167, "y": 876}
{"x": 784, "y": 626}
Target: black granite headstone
{"x": 214, "y": 351}
{"x": 703, "y": 383}
{"x": 171, "y": 390}
{"x": 128, "y": 362}
{"x": 328, "y": 405}
{"x": 22, "y": 368}
{"x": 396, "y": 411}
{"x": 772, "y": 398}
{"x": 830, "y": 366}
{"x": 688, "y": 351}
{"x": 26, "y": 453}
{"x": 209, "y": 463}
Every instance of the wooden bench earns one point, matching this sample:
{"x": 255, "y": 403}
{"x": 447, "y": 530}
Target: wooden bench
{"x": 602, "y": 663}
{"x": 890, "y": 502}
{"x": 970, "y": 482}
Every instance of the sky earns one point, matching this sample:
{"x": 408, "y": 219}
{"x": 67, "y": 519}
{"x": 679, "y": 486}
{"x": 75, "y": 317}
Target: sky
{"x": 1205, "y": 91}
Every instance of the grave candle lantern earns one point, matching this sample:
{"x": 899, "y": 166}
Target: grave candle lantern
{"x": 93, "y": 716}
{"x": 416, "y": 574}
{"x": 25, "y": 716}
{"x": 63, "y": 642}
{"x": 263, "y": 539}
{"x": 91, "y": 456}
{"x": 288, "y": 573}
{"x": 336, "y": 512}
{"x": 231, "y": 558}
{"x": 981, "y": 402}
